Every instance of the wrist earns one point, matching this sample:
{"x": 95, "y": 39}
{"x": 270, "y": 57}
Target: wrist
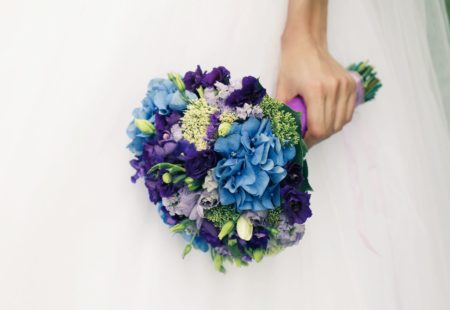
{"x": 297, "y": 39}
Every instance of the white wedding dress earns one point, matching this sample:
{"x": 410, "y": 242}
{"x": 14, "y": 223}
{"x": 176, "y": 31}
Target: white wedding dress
{"x": 76, "y": 234}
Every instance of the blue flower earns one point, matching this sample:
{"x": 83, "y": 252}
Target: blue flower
{"x": 147, "y": 112}
{"x": 162, "y": 98}
{"x": 250, "y": 173}
{"x": 166, "y": 97}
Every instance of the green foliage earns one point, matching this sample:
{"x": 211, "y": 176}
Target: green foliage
{"x": 273, "y": 217}
{"x": 284, "y": 125}
{"x": 220, "y": 215}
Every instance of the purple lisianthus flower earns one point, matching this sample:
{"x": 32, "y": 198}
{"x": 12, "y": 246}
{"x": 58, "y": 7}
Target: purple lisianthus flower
{"x": 210, "y": 233}
{"x": 218, "y": 74}
{"x": 251, "y": 92}
{"x": 295, "y": 205}
{"x": 157, "y": 189}
{"x": 193, "y": 79}
{"x": 197, "y": 163}
{"x": 294, "y": 175}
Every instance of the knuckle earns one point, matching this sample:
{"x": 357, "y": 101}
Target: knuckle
{"x": 316, "y": 86}
{"x": 317, "y": 132}
{"x": 333, "y": 83}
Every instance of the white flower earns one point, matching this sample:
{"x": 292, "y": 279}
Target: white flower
{"x": 171, "y": 204}
{"x": 210, "y": 184}
{"x": 244, "y": 112}
{"x": 211, "y": 96}
{"x": 176, "y": 132}
{"x": 257, "y": 112}
{"x": 244, "y": 228}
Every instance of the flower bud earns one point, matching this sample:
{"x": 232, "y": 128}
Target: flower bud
{"x": 145, "y": 126}
{"x": 244, "y": 228}
{"x": 224, "y": 129}
{"x": 258, "y": 255}
{"x": 167, "y": 178}
{"x": 189, "y": 180}
{"x": 179, "y": 83}
{"x": 186, "y": 250}
{"x": 226, "y": 229}
{"x": 178, "y": 227}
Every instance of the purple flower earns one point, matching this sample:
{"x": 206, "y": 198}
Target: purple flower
{"x": 259, "y": 239}
{"x": 295, "y": 205}
{"x": 294, "y": 175}
{"x": 188, "y": 200}
{"x": 213, "y": 126}
{"x": 163, "y": 123}
{"x": 197, "y": 163}
{"x": 210, "y": 233}
{"x": 251, "y": 92}
{"x": 158, "y": 189}
{"x": 219, "y": 74}
{"x": 193, "y": 79}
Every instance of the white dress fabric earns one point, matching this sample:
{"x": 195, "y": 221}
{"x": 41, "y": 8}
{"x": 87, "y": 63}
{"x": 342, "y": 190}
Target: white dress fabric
{"x": 76, "y": 234}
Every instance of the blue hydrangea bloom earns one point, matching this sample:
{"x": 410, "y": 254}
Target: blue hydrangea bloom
{"x": 162, "y": 97}
{"x": 250, "y": 173}
{"x": 147, "y": 111}
{"x": 166, "y": 97}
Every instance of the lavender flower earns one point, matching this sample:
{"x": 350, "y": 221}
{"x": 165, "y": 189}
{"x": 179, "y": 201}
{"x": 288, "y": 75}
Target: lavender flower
{"x": 186, "y": 203}
{"x": 289, "y": 235}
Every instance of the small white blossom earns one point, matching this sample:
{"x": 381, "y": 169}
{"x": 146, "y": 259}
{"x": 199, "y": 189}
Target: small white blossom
{"x": 176, "y": 132}
{"x": 244, "y": 112}
{"x": 257, "y": 112}
{"x": 171, "y": 204}
{"x": 211, "y": 96}
{"x": 210, "y": 184}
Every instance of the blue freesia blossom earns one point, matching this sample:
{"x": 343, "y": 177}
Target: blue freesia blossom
{"x": 250, "y": 173}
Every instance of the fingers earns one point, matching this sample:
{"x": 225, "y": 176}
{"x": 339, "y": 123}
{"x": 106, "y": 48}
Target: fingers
{"x": 344, "y": 102}
{"x": 330, "y": 106}
{"x": 315, "y": 101}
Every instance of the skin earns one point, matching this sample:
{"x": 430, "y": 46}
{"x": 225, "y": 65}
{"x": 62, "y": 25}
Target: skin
{"x": 308, "y": 69}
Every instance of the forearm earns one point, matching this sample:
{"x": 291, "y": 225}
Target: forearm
{"x": 306, "y": 23}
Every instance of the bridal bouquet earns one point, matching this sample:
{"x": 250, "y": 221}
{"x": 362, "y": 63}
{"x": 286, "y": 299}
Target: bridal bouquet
{"x": 224, "y": 163}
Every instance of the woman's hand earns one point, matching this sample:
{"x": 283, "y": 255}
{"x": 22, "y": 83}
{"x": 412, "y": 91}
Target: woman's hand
{"x": 307, "y": 69}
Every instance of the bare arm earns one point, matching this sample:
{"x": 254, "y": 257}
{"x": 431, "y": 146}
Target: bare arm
{"x": 307, "y": 69}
